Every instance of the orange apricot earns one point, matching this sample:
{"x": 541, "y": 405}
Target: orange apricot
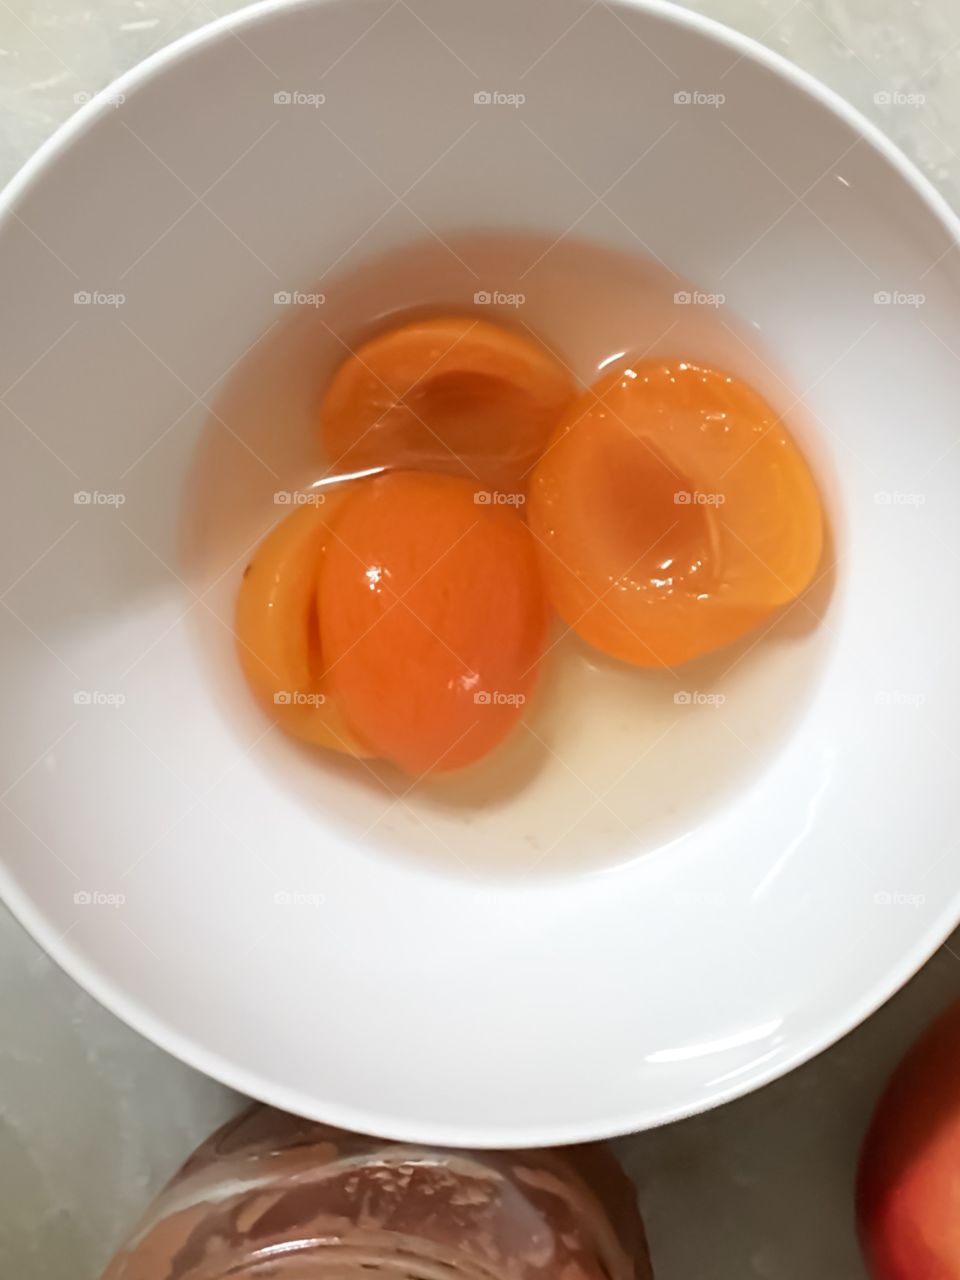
{"x": 673, "y": 513}
{"x": 432, "y": 619}
{"x": 278, "y": 637}
{"x": 451, "y": 394}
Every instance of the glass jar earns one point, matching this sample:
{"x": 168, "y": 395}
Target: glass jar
{"x": 273, "y": 1196}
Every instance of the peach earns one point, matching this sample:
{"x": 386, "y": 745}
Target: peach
{"x": 908, "y": 1190}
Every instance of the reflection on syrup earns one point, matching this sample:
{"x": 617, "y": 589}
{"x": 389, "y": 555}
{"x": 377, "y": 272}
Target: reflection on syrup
{"x": 608, "y": 762}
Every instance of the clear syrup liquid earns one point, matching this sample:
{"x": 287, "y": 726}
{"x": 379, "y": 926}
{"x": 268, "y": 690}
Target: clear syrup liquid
{"x": 609, "y": 762}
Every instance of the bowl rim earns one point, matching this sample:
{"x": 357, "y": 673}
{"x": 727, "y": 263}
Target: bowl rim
{"x": 229, "y": 1073}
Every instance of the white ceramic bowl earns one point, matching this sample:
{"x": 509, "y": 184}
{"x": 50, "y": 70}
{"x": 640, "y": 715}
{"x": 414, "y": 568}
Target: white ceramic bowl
{"x": 293, "y": 928}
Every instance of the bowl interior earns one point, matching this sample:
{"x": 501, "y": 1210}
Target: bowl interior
{"x": 321, "y": 939}
{"x": 600, "y": 770}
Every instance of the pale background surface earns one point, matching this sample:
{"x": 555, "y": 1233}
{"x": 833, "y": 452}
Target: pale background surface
{"x": 93, "y": 1119}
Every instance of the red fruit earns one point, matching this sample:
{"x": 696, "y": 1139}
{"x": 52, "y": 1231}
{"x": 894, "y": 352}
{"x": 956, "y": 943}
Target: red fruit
{"x": 908, "y": 1189}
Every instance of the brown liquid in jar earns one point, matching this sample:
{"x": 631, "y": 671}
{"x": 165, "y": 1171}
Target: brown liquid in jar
{"x": 270, "y": 1195}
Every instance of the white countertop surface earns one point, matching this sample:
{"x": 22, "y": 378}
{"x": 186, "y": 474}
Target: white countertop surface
{"x": 93, "y": 1118}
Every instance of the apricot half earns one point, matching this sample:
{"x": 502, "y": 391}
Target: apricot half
{"x": 457, "y": 394}
{"x": 432, "y": 619}
{"x": 278, "y": 637}
{"x": 673, "y": 513}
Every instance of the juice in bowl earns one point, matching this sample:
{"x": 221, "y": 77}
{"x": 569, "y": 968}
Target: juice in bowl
{"x": 560, "y": 620}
